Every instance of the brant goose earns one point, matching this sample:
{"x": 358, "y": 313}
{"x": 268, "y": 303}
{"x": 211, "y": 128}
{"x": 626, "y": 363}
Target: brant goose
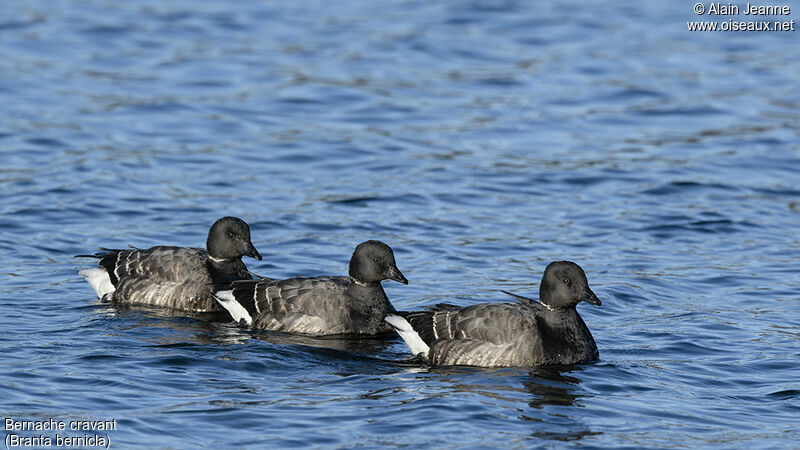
{"x": 524, "y": 334}
{"x": 175, "y": 277}
{"x": 325, "y": 305}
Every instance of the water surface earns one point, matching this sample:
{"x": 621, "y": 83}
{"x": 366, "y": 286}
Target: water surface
{"x": 481, "y": 140}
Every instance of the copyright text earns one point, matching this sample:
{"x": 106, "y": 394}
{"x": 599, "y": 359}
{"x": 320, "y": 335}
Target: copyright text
{"x": 733, "y": 11}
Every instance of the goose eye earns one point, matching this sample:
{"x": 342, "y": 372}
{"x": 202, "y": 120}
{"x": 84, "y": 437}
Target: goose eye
{"x": 566, "y": 280}
{"x": 376, "y": 259}
{"x": 231, "y": 235}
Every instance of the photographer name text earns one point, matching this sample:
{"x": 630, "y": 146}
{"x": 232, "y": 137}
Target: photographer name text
{"x": 722, "y": 9}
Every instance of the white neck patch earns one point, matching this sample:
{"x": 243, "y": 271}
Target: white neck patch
{"x": 358, "y": 282}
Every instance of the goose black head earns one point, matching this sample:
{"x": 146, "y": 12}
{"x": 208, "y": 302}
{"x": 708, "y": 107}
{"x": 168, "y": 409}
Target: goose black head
{"x": 373, "y": 262}
{"x": 229, "y": 238}
{"x": 564, "y": 285}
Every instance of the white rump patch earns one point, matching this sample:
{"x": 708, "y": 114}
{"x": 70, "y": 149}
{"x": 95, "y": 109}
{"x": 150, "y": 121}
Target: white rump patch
{"x": 100, "y": 281}
{"x": 236, "y": 310}
{"x": 410, "y": 337}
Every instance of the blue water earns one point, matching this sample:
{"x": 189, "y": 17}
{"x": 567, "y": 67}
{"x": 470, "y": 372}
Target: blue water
{"x": 481, "y": 140}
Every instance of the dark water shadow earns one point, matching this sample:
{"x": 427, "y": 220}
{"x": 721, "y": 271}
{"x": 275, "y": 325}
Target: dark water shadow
{"x": 556, "y": 388}
{"x": 206, "y": 329}
{"x": 552, "y": 386}
{"x": 364, "y": 345}
{"x": 552, "y": 395}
